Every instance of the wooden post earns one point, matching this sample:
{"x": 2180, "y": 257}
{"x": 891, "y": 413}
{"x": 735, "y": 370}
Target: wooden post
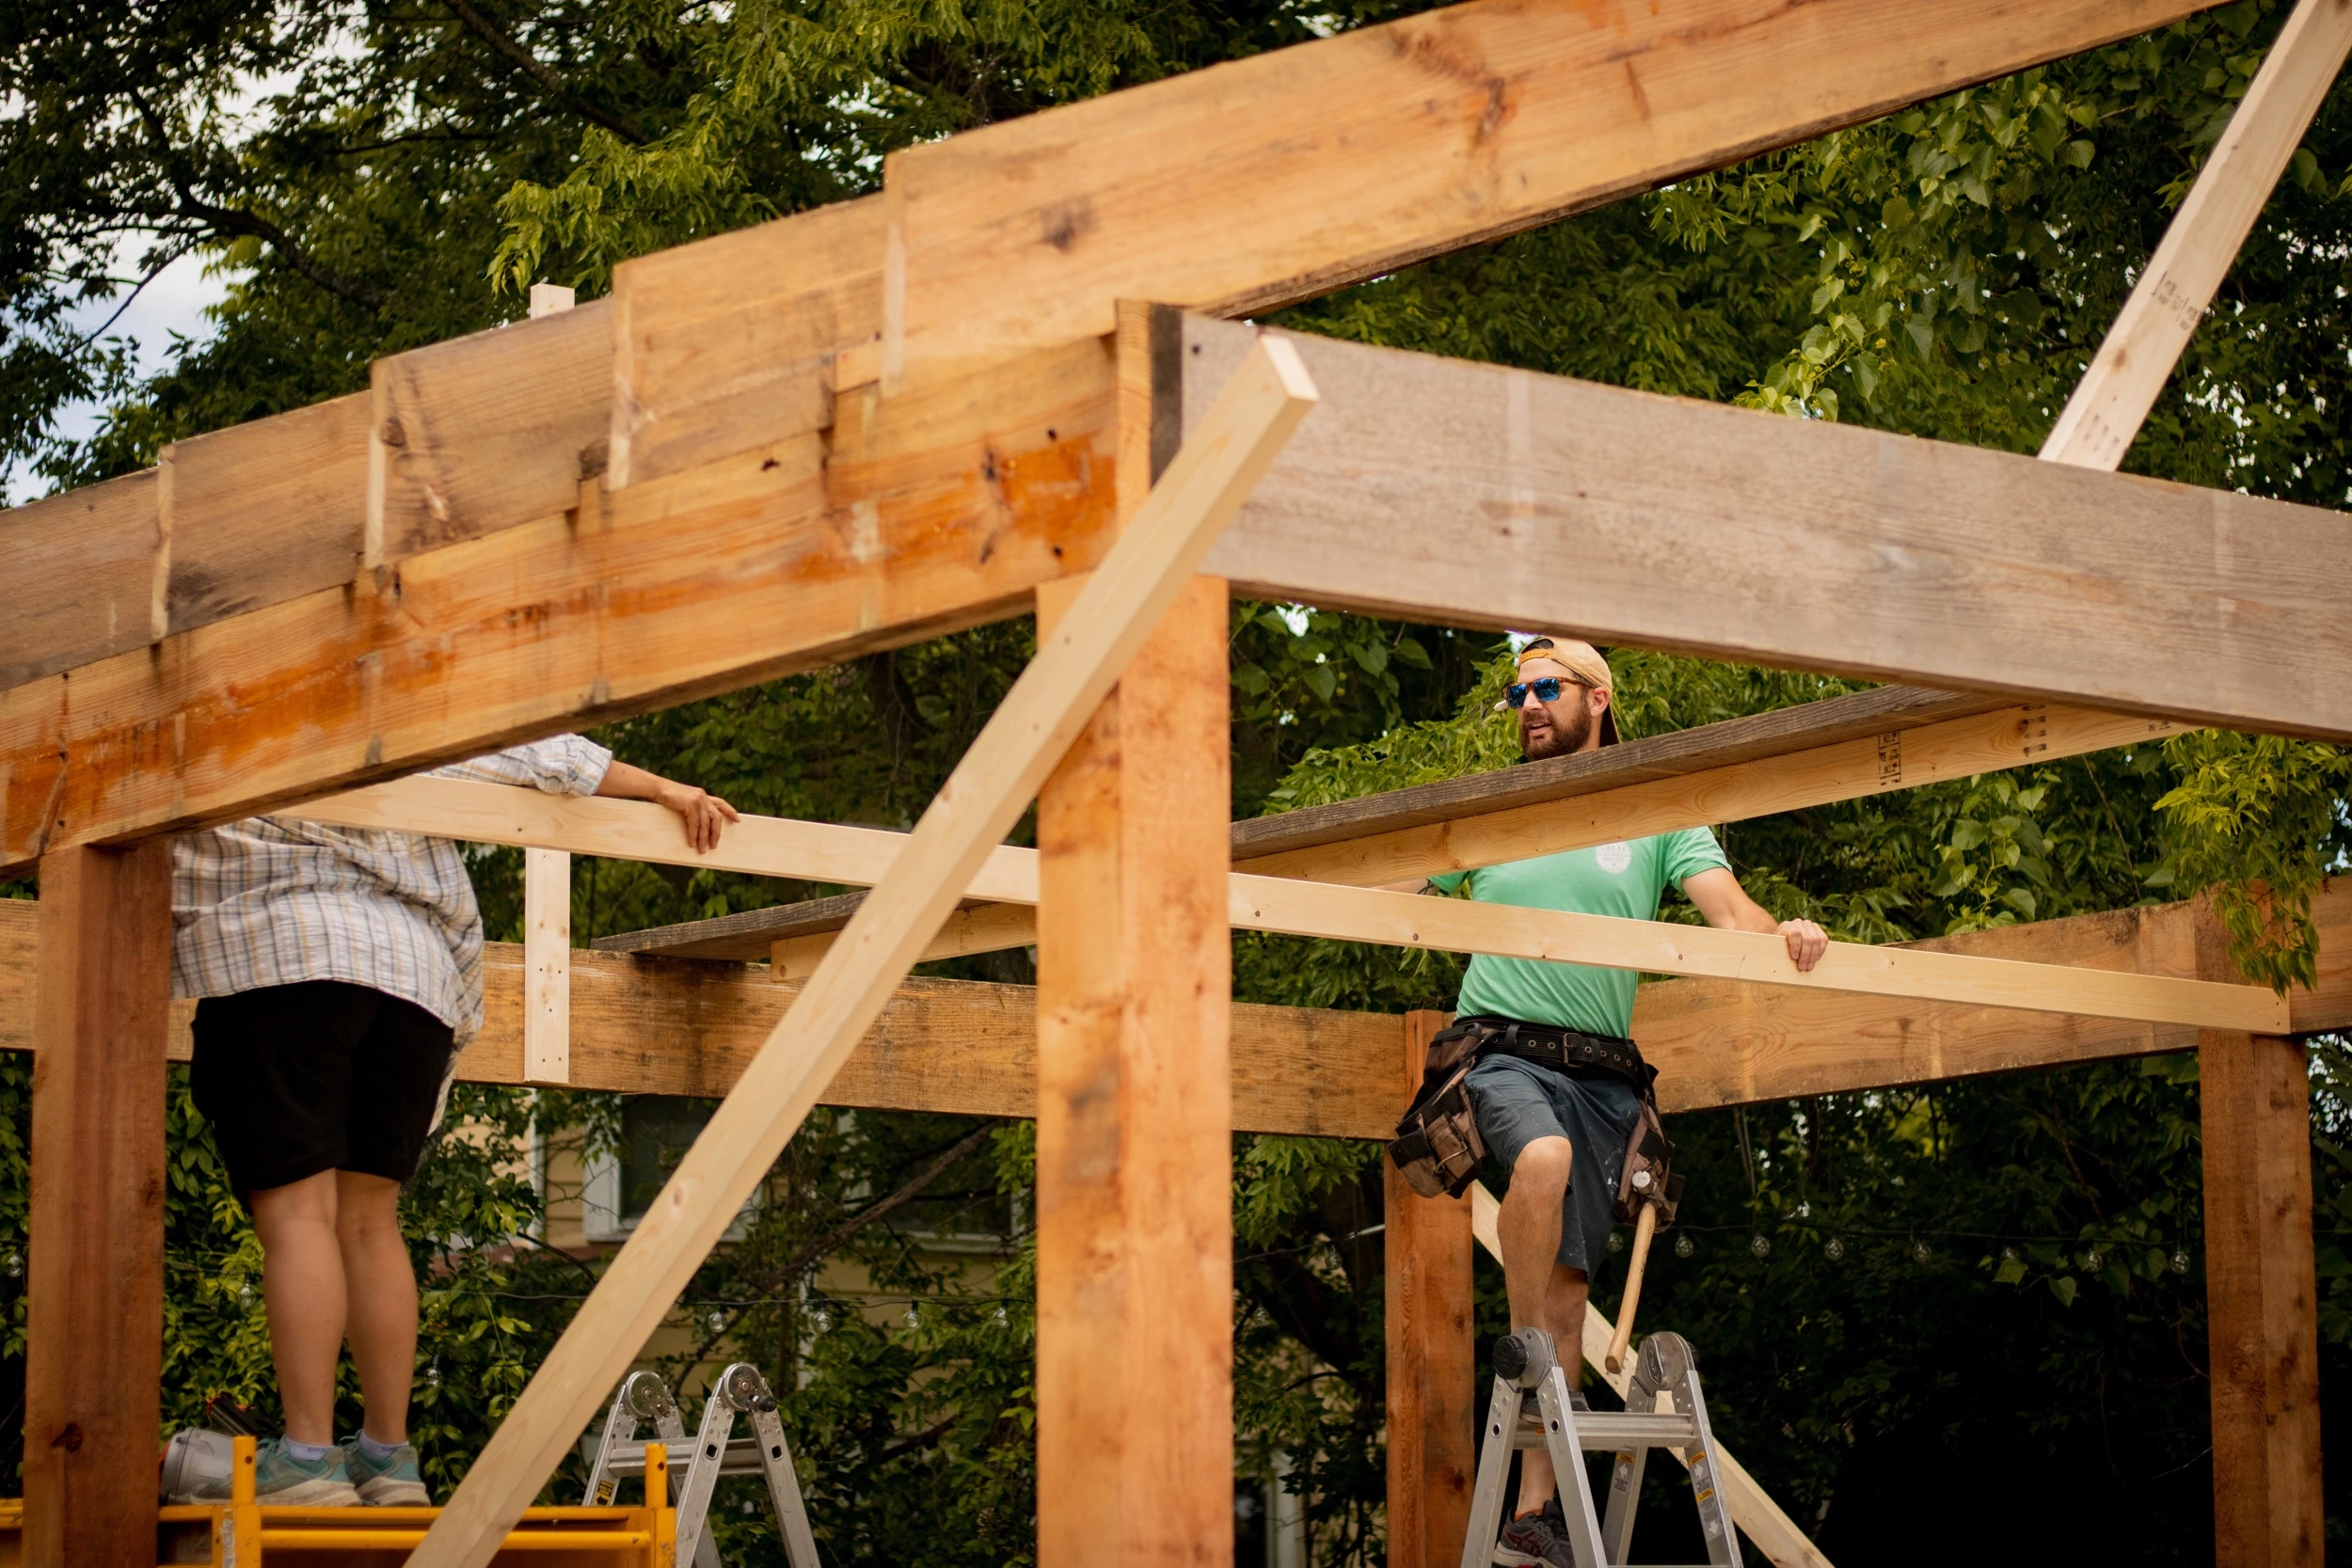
{"x": 2262, "y": 1325}
{"x": 1433, "y": 1386}
{"x": 1135, "y": 1114}
{"x": 94, "y": 1321}
{"x": 547, "y": 962}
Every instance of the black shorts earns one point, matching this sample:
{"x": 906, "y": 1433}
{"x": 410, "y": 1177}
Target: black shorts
{"x": 320, "y": 1075}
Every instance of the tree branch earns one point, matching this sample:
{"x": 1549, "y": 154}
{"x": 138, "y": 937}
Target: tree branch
{"x": 235, "y": 220}
{"x": 825, "y": 1246}
{"x": 550, "y": 80}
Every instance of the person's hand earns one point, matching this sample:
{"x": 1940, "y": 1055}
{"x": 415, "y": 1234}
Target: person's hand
{"x": 1806, "y": 943}
{"x": 700, "y": 813}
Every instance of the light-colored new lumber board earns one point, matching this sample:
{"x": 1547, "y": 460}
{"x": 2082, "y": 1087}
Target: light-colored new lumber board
{"x": 546, "y": 966}
{"x": 1662, "y": 947}
{"x": 1269, "y": 179}
{"x": 81, "y": 573}
{"x": 1896, "y": 759}
{"x": 980, "y": 928}
{"x": 266, "y": 512}
{"x": 820, "y": 851}
{"x": 712, "y": 340}
{"x": 928, "y": 514}
{"x": 1880, "y": 713}
{"x": 1077, "y": 663}
{"x": 2173, "y": 291}
{"x": 1557, "y": 804}
{"x": 1446, "y": 491}
{"x": 486, "y": 432}
{"x": 1762, "y": 1520}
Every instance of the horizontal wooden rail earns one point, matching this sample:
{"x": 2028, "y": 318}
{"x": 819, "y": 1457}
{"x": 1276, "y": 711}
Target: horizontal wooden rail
{"x": 667, "y": 1027}
{"x": 816, "y": 851}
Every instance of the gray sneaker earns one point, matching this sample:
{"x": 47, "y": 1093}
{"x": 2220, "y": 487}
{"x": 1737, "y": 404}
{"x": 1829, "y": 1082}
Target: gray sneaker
{"x": 392, "y": 1481}
{"x": 281, "y": 1481}
{"x": 1537, "y": 1541}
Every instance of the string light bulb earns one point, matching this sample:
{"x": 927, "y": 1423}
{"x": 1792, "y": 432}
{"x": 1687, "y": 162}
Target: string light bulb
{"x": 1760, "y": 1244}
{"x": 1919, "y": 1253}
{"x": 718, "y": 1321}
{"x": 13, "y": 1265}
{"x": 1835, "y": 1248}
{"x": 1683, "y": 1247}
{"x": 1616, "y": 1242}
{"x": 2179, "y": 1264}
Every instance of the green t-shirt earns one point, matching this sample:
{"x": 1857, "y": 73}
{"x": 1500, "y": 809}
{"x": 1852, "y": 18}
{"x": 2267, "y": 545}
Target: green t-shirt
{"x": 1623, "y": 879}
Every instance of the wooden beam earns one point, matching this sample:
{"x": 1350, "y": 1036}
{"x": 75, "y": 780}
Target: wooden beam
{"x": 94, "y": 1291}
{"x": 934, "y": 512}
{"x": 1852, "y": 770}
{"x": 1134, "y": 1245}
{"x": 1433, "y": 1379}
{"x": 664, "y": 1026}
{"x": 1762, "y": 1520}
{"x": 1075, "y": 667}
{"x": 263, "y": 513}
{"x": 486, "y": 432}
{"x": 1269, "y": 179}
{"x": 2179, "y": 282}
{"x": 1447, "y": 491}
{"x": 818, "y": 852}
{"x": 722, "y": 343}
{"x": 81, "y": 575}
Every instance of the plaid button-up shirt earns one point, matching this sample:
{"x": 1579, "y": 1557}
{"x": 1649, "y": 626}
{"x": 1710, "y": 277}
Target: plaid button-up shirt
{"x": 272, "y": 900}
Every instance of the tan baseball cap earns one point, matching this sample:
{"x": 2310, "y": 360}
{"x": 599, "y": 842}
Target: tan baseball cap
{"x": 1583, "y": 661}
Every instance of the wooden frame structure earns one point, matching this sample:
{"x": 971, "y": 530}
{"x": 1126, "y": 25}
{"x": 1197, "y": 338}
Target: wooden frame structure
{"x": 873, "y": 422}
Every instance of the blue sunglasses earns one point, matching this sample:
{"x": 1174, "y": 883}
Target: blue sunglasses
{"x": 1546, "y": 687}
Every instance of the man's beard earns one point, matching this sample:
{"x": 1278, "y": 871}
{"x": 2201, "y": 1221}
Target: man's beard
{"x": 1568, "y": 732}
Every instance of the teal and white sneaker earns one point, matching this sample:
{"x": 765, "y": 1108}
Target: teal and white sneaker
{"x": 392, "y": 1481}
{"x": 281, "y": 1481}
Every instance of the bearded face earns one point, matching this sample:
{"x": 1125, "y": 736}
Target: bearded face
{"x": 1559, "y": 728}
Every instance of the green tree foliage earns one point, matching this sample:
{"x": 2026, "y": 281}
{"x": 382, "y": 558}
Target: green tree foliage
{"x": 1992, "y": 1289}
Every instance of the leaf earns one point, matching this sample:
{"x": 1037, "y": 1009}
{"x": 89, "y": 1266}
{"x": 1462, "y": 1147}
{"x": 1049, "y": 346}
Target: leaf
{"x": 1412, "y": 653}
{"x": 1897, "y": 213}
{"x": 2303, "y": 168}
{"x": 1922, "y": 335}
{"x": 2010, "y": 1272}
{"x": 2064, "y": 1288}
{"x": 2076, "y": 153}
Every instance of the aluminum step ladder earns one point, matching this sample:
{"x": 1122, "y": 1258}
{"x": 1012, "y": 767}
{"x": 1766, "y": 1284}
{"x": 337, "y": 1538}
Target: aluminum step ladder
{"x": 1530, "y": 1410}
{"x": 739, "y": 1390}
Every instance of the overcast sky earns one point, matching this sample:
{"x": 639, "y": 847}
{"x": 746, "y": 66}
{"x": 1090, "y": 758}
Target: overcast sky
{"x": 174, "y": 302}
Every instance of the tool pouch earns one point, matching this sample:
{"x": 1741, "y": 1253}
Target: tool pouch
{"x": 1648, "y": 1176}
{"x": 1438, "y": 1150}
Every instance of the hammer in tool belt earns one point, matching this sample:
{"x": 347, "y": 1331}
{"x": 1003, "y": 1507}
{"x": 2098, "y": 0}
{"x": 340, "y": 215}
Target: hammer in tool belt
{"x": 1648, "y": 1192}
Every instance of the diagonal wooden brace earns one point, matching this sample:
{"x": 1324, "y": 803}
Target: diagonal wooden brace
{"x": 1076, "y": 666}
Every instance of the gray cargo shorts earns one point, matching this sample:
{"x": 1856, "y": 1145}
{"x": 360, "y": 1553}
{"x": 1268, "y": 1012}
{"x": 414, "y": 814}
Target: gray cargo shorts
{"x": 1516, "y": 1103}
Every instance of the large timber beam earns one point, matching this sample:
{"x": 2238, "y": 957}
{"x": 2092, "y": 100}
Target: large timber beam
{"x": 1495, "y": 498}
{"x": 671, "y": 1026}
{"x": 943, "y": 507}
{"x": 934, "y": 511}
{"x": 1273, "y": 179}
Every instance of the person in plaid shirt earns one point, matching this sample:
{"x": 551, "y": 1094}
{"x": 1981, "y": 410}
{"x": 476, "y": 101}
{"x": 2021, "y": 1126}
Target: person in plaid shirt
{"x": 338, "y": 971}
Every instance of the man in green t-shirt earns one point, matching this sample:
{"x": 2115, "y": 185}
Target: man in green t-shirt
{"x": 1559, "y": 1134}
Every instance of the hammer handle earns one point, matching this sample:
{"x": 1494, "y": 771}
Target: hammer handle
{"x": 1644, "y": 1226}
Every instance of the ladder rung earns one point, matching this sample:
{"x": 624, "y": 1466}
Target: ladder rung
{"x": 742, "y": 1458}
{"x": 1618, "y": 1428}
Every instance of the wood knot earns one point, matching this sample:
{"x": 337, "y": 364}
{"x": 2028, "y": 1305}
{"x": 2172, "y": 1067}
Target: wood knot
{"x": 391, "y": 434}
{"x": 69, "y": 1439}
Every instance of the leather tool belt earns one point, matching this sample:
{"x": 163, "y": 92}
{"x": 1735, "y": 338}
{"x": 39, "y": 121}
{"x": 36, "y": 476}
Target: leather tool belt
{"x": 1437, "y": 1149}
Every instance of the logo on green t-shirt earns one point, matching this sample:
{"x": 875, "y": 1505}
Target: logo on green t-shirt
{"x": 1625, "y": 879}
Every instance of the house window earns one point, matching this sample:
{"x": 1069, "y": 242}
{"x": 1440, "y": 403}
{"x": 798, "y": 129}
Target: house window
{"x": 657, "y": 1130}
